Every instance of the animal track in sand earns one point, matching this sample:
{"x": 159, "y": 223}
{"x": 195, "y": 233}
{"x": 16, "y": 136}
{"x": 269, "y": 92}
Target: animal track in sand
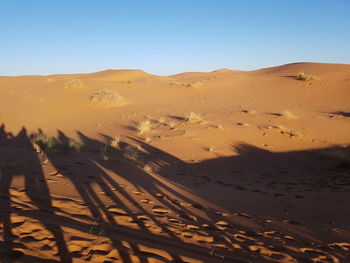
{"x": 319, "y": 255}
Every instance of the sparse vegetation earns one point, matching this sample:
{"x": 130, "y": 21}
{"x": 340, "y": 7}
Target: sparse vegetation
{"x": 46, "y": 144}
{"x": 74, "y": 83}
{"x": 42, "y": 142}
{"x": 144, "y": 126}
{"x": 106, "y": 97}
{"x": 304, "y": 77}
{"x": 67, "y": 147}
{"x": 114, "y": 142}
{"x": 194, "y": 117}
{"x": 133, "y": 154}
{"x": 288, "y": 114}
{"x": 109, "y": 153}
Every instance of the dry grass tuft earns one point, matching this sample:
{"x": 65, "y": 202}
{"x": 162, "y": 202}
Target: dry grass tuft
{"x": 144, "y": 126}
{"x": 73, "y": 84}
{"x": 106, "y": 97}
{"x": 194, "y": 117}
{"x": 288, "y": 115}
{"x": 133, "y": 154}
{"x": 302, "y": 76}
{"x": 46, "y": 144}
{"x": 114, "y": 142}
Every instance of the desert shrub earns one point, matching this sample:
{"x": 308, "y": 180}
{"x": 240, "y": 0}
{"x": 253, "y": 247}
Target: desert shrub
{"x": 46, "y": 144}
{"x": 106, "y": 97}
{"x": 135, "y": 155}
{"x": 194, "y": 117}
{"x": 304, "y": 77}
{"x": 43, "y": 143}
{"x": 109, "y": 153}
{"x": 67, "y": 147}
{"x": 114, "y": 142}
{"x": 288, "y": 114}
{"x": 144, "y": 126}
{"x": 74, "y": 83}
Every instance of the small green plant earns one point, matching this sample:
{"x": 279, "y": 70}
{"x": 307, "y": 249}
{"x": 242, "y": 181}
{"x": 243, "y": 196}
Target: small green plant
{"x": 144, "y": 126}
{"x": 304, "y": 77}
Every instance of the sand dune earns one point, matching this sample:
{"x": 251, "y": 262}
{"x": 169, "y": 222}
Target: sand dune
{"x": 223, "y": 166}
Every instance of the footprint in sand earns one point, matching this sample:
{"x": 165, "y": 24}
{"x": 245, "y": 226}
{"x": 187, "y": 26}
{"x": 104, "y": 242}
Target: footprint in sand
{"x": 104, "y": 193}
{"x": 117, "y": 211}
{"x": 188, "y": 217}
{"x": 46, "y": 247}
{"x": 319, "y": 255}
{"x": 344, "y": 246}
{"x": 192, "y": 227}
{"x": 74, "y": 248}
{"x": 243, "y": 215}
{"x": 160, "y": 210}
{"x": 143, "y": 218}
{"x": 292, "y": 222}
{"x": 222, "y": 225}
{"x": 281, "y": 257}
{"x": 159, "y": 195}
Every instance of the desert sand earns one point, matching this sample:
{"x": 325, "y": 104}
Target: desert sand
{"x": 222, "y": 166}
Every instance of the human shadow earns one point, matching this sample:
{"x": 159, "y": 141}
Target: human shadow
{"x": 19, "y": 153}
{"x": 103, "y": 164}
{"x": 108, "y": 178}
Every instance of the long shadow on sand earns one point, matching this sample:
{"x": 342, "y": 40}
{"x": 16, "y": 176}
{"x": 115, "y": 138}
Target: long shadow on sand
{"x": 96, "y": 174}
{"x": 36, "y": 189}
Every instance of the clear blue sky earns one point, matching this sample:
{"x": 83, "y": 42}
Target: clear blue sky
{"x": 169, "y": 36}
